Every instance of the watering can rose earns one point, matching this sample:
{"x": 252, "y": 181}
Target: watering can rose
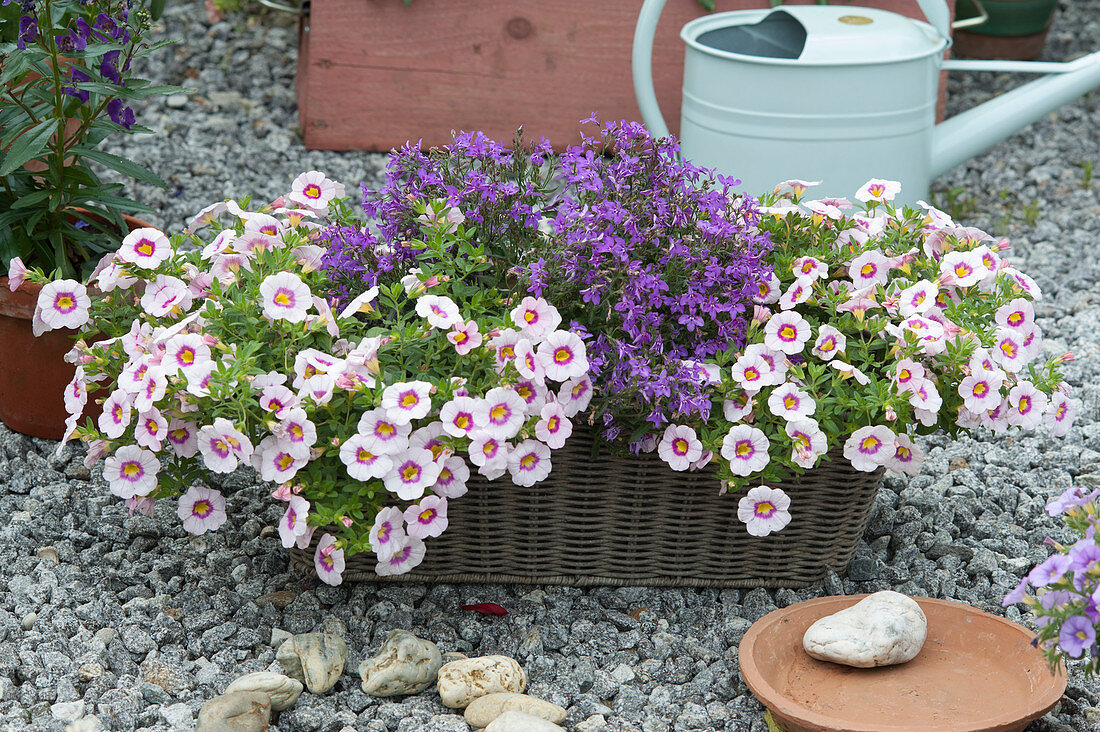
{"x": 226, "y": 354}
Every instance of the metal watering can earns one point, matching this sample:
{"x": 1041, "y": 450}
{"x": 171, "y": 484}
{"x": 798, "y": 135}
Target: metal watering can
{"x": 837, "y": 94}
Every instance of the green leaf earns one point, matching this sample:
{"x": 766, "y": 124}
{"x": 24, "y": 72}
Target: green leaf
{"x": 120, "y": 164}
{"x": 28, "y": 146}
{"x": 156, "y": 8}
{"x": 31, "y": 199}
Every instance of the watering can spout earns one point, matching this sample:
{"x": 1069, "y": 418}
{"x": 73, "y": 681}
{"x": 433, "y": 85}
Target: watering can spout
{"x": 967, "y": 134}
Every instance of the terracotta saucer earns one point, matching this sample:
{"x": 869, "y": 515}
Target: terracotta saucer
{"x": 976, "y": 673}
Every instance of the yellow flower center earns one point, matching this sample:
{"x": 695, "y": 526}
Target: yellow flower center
{"x": 562, "y": 355}
{"x": 282, "y": 299}
{"x": 411, "y": 472}
{"x": 409, "y": 400}
{"x": 528, "y": 461}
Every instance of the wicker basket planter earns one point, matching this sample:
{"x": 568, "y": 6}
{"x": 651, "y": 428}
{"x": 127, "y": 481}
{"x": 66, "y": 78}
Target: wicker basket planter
{"x": 609, "y": 520}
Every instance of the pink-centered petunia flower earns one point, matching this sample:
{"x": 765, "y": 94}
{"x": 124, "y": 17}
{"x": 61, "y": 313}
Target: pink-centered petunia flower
{"x": 1009, "y": 351}
{"x": 746, "y": 449}
{"x": 413, "y": 471}
{"x": 427, "y": 518}
{"x": 824, "y": 208}
{"x": 908, "y": 374}
{"x": 391, "y": 438}
{"x": 166, "y": 294}
{"x": 527, "y": 362}
{"x": 739, "y": 406}
{"x": 17, "y": 273}
{"x": 981, "y": 390}
{"x": 1060, "y": 414}
{"x": 878, "y": 189}
{"x": 962, "y": 269}
{"x": 563, "y": 355}
{"x": 146, "y": 248}
{"x": 1022, "y": 282}
{"x": 131, "y": 471}
{"x": 202, "y": 510}
{"x": 529, "y": 463}
{"x": 459, "y": 416}
{"x": 284, "y": 296}
{"x": 182, "y": 437}
{"x": 406, "y": 401}
{"x": 787, "y": 332}
{"x": 796, "y": 186}
{"x": 184, "y": 352}
{"x": 808, "y": 442}
{"x": 575, "y": 395}
{"x": 501, "y": 413}
{"x": 907, "y": 457}
{"x": 534, "y": 394}
{"x": 1026, "y": 405}
{"x": 151, "y": 429}
{"x": 799, "y": 292}
{"x": 751, "y": 372}
{"x": 223, "y": 446}
{"x": 451, "y": 482}
{"x": 363, "y": 463}
{"x": 554, "y": 427}
{"x": 143, "y": 506}
{"x": 313, "y": 190}
{"x": 329, "y": 561}
{"x": 764, "y": 510}
{"x": 790, "y": 402}
{"x": 829, "y": 343}
{"x": 76, "y": 393}
{"x": 431, "y": 438}
{"x": 917, "y": 299}
{"x": 869, "y": 269}
{"x": 440, "y": 311}
{"x": 767, "y": 290}
{"x": 809, "y": 268}
{"x": 408, "y": 556}
{"x": 505, "y": 346}
{"x": 387, "y": 535}
{"x": 535, "y": 318}
{"x": 870, "y": 447}
{"x": 116, "y": 415}
{"x": 61, "y": 304}
{"x": 1017, "y": 315}
{"x": 485, "y": 449}
{"x": 465, "y": 337}
{"x": 276, "y": 460}
{"x": 847, "y": 370}
{"x": 679, "y": 446}
{"x": 294, "y": 526}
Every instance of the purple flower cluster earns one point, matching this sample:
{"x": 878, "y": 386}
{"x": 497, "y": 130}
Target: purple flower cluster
{"x": 652, "y": 260}
{"x": 659, "y": 259}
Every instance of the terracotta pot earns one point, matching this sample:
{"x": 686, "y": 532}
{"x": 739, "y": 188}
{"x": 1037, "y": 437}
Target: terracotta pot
{"x": 33, "y": 372}
{"x": 977, "y": 672}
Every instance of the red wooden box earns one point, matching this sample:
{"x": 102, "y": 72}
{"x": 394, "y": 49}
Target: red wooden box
{"x": 373, "y": 74}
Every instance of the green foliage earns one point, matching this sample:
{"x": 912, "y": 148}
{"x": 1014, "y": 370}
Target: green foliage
{"x": 52, "y": 122}
{"x": 956, "y": 201}
{"x": 1086, "y": 173}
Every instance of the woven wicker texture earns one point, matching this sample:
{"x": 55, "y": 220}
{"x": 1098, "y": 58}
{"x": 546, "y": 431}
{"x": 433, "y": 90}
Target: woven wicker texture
{"x": 614, "y": 520}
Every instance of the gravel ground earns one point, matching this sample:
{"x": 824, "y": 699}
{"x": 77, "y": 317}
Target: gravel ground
{"x": 139, "y": 624}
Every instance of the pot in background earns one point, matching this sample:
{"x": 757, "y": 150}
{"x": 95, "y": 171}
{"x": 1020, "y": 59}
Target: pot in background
{"x": 1016, "y": 29}
{"x": 33, "y": 372}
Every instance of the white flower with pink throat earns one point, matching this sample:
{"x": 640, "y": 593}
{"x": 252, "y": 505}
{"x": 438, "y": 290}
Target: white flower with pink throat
{"x": 563, "y": 355}
{"x": 201, "y": 509}
{"x": 284, "y": 296}
{"x": 764, "y": 510}
{"x": 388, "y": 532}
{"x": 329, "y": 561}
{"x": 406, "y": 401}
{"x": 61, "y": 304}
{"x": 146, "y": 248}
{"x": 131, "y": 471}
{"x": 529, "y": 463}
{"x": 535, "y": 318}
{"x": 746, "y": 449}
{"x": 870, "y": 447}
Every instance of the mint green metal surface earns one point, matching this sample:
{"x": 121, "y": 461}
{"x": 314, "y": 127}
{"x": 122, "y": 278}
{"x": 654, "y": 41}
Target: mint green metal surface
{"x": 856, "y": 100}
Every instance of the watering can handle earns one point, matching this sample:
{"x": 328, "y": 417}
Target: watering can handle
{"x": 642, "y": 64}
{"x": 938, "y": 15}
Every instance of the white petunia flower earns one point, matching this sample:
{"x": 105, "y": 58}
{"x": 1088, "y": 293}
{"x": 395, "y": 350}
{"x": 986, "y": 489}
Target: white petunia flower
{"x": 529, "y": 463}
{"x": 746, "y": 449}
{"x": 145, "y": 247}
{"x": 787, "y": 332}
{"x": 764, "y": 510}
{"x": 284, "y": 296}
{"x": 679, "y": 446}
{"x": 201, "y": 509}
{"x": 870, "y": 447}
{"x": 790, "y": 402}
{"x": 131, "y": 471}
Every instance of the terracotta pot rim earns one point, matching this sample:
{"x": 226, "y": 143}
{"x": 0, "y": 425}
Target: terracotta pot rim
{"x": 776, "y": 701}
